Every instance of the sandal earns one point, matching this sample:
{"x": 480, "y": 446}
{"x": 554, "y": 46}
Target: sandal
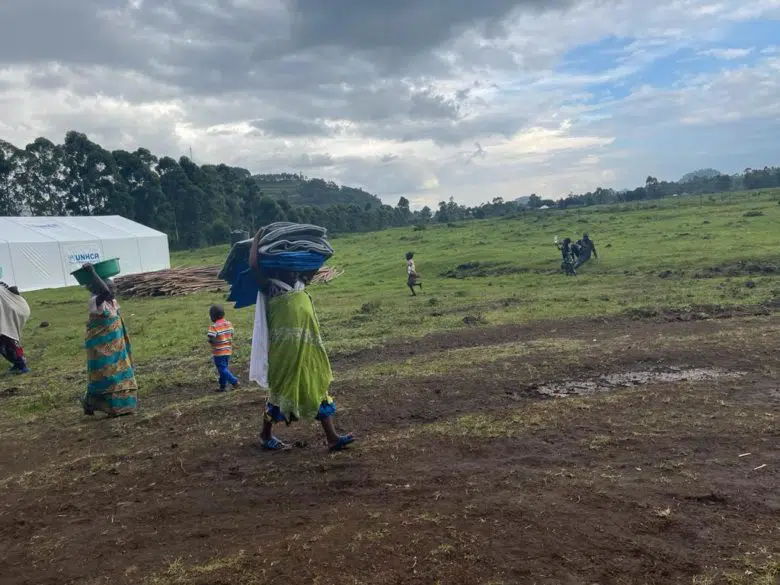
{"x": 342, "y": 443}
{"x": 88, "y": 410}
{"x": 274, "y": 444}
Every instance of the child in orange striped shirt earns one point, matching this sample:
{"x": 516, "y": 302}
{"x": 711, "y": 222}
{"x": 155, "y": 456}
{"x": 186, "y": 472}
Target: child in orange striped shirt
{"x": 221, "y": 339}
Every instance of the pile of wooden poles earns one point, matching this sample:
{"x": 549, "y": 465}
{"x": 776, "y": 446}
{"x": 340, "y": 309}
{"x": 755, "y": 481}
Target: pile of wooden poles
{"x": 173, "y": 282}
{"x": 326, "y": 274}
{"x": 176, "y": 282}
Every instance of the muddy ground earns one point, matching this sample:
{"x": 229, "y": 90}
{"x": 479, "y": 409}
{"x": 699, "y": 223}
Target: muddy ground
{"x": 657, "y": 461}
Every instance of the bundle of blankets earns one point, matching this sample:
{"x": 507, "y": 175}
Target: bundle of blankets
{"x": 293, "y": 247}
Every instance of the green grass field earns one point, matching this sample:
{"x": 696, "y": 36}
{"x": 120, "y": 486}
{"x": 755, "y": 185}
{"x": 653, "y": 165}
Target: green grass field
{"x": 672, "y": 253}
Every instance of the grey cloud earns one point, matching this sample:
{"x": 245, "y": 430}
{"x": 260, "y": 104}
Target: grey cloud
{"x": 389, "y": 175}
{"x": 301, "y": 61}
{"x": 310, "y": 161}
{"x": 454, "y": 133}
{"x": 404, "y": 27}
{"x": 478, "y": 153}
{"x": 35, "y": 31}
{"x": 392, "y": 105}
{"x": 115, "y": 131}
{"x": 390, "y": 179}
{"x": 223, "y": 45}
{"x": 287, "y": 126}
{"x": 49, "y": 78}
{"x": 391, "y": 101}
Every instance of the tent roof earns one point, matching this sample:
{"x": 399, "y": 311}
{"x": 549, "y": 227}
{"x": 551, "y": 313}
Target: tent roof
{"x": 71, "y": 229}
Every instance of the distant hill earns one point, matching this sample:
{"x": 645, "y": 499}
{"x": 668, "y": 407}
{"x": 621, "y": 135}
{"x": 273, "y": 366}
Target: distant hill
{"x": 700, "y": 174}
{"x": 299, "y": 190}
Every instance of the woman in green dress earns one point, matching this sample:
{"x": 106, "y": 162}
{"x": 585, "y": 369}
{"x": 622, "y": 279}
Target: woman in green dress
{"x": 111, "y": 386}
{"x": 299, "y": 372}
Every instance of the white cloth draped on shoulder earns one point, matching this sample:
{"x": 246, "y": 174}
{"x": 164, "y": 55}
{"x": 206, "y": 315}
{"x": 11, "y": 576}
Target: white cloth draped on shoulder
{"x": 14, "y": 312}
{"x": 258, "y": 361}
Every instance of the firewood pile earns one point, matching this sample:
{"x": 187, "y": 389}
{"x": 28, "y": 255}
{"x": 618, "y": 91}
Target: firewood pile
{"x": 326, "y": 274}
{"x": 176, "y": 282}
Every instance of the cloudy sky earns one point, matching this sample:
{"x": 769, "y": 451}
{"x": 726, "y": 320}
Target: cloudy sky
{"x": 422, "y": 98}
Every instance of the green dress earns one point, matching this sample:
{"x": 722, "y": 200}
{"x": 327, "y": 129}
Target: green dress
{"x": 299, "y": 372}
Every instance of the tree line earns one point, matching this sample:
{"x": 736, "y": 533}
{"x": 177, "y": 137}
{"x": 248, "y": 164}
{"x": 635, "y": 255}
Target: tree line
{"x": 696, "y": 183}
{"x": 195, "y": 205}
{"x": 198, "y": 205}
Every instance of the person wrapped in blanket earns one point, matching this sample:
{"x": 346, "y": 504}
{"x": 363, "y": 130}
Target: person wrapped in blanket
{"x": 111, "y": 386}
{"x": 298, "y": 370}
{"x": 584, "y": 248}
{"x": 14, "y": 313}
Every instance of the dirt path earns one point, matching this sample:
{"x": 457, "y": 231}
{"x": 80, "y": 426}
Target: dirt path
{"x": 645, "y": 323}
{"x": 468, "y": 477}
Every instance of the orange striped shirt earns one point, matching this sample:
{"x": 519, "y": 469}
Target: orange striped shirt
{"x": 221, "y": 337}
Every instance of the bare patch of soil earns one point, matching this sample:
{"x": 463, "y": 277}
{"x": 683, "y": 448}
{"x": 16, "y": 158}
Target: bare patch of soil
{"x": 633, "y": 379}
{"x": 740, "y": 268}
{"x": 483, "y": 269}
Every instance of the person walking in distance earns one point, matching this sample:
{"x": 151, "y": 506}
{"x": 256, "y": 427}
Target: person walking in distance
{"x": 412, "y": 278}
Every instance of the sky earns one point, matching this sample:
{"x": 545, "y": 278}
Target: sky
{"x": 471, "y": 99}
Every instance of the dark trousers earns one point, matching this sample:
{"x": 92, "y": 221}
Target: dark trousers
{"x": 11, "y": 350}
{"x": 223, "y": 369}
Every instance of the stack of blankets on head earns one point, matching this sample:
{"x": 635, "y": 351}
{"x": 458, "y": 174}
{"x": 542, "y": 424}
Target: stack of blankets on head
{"x": 281, "y": 246}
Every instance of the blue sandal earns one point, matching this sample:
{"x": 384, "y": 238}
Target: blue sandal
{"x": 343, "y": 442}
{"x": 274, "y": 444}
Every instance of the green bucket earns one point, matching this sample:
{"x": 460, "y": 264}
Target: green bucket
{"x": 104, "y": 269}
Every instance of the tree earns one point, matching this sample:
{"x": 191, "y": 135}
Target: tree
{"x": 150, "y": 206}
{"x": 534, "y": 201}
{"x": 189, "y": 220}
{"x": 268, "y": 211}
{"x": 426, "y": 215}
{"x": 290, "y": 212}
{"x": 41, "y": 180}
{"x": 723, "y": 183}
{"x": 219, "y": 233}
{"x": 9, "y": 204}
{"x": 652, "y": 190}
{"x": 442, "y": 215}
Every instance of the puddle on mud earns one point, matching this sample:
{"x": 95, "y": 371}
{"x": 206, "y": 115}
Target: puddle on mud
{"x": 630, "y": 380}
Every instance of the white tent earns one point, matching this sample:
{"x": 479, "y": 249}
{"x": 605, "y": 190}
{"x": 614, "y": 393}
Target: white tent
{"x": 41, "y": 252}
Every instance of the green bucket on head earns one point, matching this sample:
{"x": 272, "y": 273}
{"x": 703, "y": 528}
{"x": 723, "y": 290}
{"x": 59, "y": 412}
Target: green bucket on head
{"x": 104, "y": 269}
